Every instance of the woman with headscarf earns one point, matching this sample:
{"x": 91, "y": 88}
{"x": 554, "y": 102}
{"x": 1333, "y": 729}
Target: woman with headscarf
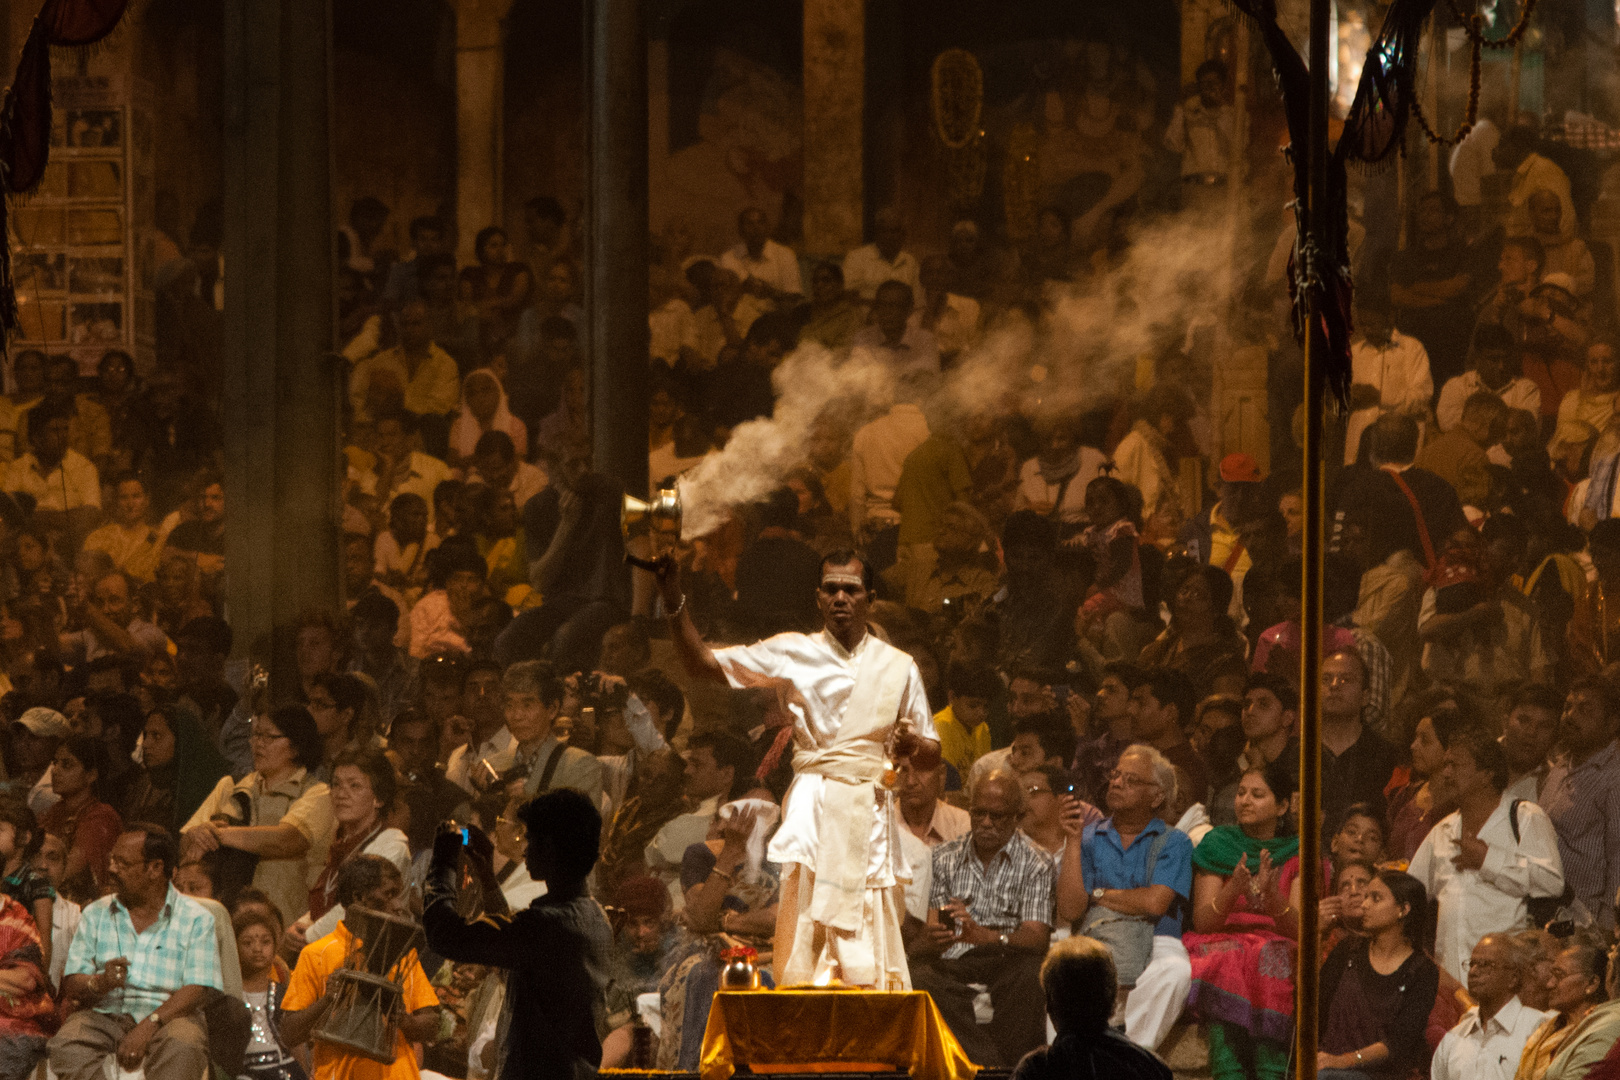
{"x": 484, "y": 408}
{"x": 179, "y": 767}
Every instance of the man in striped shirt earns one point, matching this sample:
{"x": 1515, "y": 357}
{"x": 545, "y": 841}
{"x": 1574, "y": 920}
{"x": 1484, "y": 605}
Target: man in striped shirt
{"x": 1582, "y": 796}
{"x": 989, "y": 920}
{"x": 144, "y": 959}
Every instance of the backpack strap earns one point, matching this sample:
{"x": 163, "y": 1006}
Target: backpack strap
{"x": 1513, "y": 818}
{"x": 550, "y": 770}
{"x": 1417, "y": 511}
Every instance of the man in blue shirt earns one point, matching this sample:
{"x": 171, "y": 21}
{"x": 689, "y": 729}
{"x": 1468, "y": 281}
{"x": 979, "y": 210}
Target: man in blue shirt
{"x": 1135, "y": 864}
{"x": 144, "y": 958}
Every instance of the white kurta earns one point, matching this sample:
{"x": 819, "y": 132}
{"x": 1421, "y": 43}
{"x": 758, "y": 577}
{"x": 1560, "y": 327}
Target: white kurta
{"x": 1493, "y": 898}
{"x": 824, "y": 673}
{"x": 840, "y": 910}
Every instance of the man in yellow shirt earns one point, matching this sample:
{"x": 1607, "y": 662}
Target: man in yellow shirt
{"x": 964, "y": 733}
{"x": 367, "y": 881}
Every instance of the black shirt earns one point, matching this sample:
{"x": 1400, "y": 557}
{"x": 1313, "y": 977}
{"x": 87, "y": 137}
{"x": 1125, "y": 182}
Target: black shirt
{"x": 592, "y": 566}
{"x": 1361, "y": 1007}
{"x": 1091, "y": 1056}
{"x": 559, "y": 953}
{"x": 1357, "y": 775}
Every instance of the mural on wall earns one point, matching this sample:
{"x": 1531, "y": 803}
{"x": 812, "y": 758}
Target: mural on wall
{"x": 747, "y": 151}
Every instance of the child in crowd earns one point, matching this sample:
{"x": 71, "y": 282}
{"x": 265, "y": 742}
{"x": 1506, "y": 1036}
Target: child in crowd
{"x": 264, "y": 981}
{"x": 51, "y": 861}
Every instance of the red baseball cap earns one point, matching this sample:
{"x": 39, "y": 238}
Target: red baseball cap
{"x": 1240, "y": 469}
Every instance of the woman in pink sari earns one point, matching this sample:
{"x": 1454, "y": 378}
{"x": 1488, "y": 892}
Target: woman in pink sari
{"x": 1246, "y": 916}
{"x": 27, "y": 1010}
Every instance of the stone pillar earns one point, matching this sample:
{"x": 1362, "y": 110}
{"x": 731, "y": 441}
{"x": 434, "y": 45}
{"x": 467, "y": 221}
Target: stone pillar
{"x": 480, "y": 95}
{"x": 281, "y": 378}
{"x": 616, "y": 247}
{"x": 834, "y": 97}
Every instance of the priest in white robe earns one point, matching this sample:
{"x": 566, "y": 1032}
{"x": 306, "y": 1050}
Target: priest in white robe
{"x": 858, "y": 707}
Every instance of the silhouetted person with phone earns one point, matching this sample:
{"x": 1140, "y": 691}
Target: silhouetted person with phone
{"x": 557, "y": 951}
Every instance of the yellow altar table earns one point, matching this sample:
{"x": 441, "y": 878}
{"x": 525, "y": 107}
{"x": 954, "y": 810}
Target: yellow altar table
{"x": 824, "y": 1029}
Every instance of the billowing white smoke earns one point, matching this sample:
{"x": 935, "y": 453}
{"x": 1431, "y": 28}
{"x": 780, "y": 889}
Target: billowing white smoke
{"x": 1084, "y": 352}
{"x": 762, "y": 452}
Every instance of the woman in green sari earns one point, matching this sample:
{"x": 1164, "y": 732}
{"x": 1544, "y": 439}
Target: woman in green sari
{"x": 1246, "y": 900}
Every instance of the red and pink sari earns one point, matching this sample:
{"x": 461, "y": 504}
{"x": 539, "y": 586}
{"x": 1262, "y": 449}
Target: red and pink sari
{"x": 1244, "y": 975}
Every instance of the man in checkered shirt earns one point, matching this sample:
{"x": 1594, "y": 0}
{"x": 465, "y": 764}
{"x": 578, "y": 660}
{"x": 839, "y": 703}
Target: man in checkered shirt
{"x": 996, "y": 887}
{"x": 145, "y": 959}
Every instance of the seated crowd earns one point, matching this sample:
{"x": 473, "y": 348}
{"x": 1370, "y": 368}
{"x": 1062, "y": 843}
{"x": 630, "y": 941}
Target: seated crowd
{"x": 1106, "y": 622}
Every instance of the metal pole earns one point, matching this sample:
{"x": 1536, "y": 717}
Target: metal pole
{"x": 1310, "y": 732}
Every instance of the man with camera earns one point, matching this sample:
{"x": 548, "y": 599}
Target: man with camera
{"x": 1126, "y": 880}
{"x": 558, "y": 951}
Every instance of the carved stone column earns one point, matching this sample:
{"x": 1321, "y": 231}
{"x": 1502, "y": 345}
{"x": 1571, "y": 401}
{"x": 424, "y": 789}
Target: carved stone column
{"x": 834, "y": 99}
{"x": 480, "y": 97}
{"x": 281, "y": 379}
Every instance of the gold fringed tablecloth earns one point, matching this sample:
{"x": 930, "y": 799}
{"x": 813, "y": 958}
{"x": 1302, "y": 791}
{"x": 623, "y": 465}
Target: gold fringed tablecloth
{"x": 815, "y": 1029}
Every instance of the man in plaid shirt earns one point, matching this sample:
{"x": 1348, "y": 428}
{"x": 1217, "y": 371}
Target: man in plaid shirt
{"x": 995, "y": 888}
{"x": 144, "y": 958}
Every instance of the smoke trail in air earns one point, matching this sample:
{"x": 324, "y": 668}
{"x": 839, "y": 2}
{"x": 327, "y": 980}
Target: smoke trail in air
{"x": 1083, "y": 353}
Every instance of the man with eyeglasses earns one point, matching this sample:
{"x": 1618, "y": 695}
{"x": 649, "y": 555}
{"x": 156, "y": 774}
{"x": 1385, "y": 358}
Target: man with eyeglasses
{"x": 143, "y": 960}
{"x": 989, "y": 921}
{"x": 1134, "y": 865}
{"x": 859, "y": 708}
{"x": 1488, "y": 1041}
{"x": 1356, "y": 763}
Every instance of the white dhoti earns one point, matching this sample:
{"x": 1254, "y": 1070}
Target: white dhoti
{"x": 843, "y": 873}
{"x": 807, "y": 951}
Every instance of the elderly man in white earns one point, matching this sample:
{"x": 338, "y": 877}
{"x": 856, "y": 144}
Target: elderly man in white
{"x": 1488, "y": 1041}
{"x": 1486, "y": 860}
{"x": 858, "y": 707}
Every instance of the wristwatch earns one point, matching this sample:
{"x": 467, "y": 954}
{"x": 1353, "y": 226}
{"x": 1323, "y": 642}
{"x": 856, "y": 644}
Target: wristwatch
{"x": 155, "y": 1018}
{"x": 1097, "y": 894}
{"x": 1004, "y": 938}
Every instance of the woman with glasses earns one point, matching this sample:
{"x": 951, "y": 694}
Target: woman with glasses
{"x": 1378, "y": 988}
{"x": 1246, "y": 916}
{"x": 364, "y": 788}
{"x": 1585, "y": 1024}
{"x": 279, "y": 816}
